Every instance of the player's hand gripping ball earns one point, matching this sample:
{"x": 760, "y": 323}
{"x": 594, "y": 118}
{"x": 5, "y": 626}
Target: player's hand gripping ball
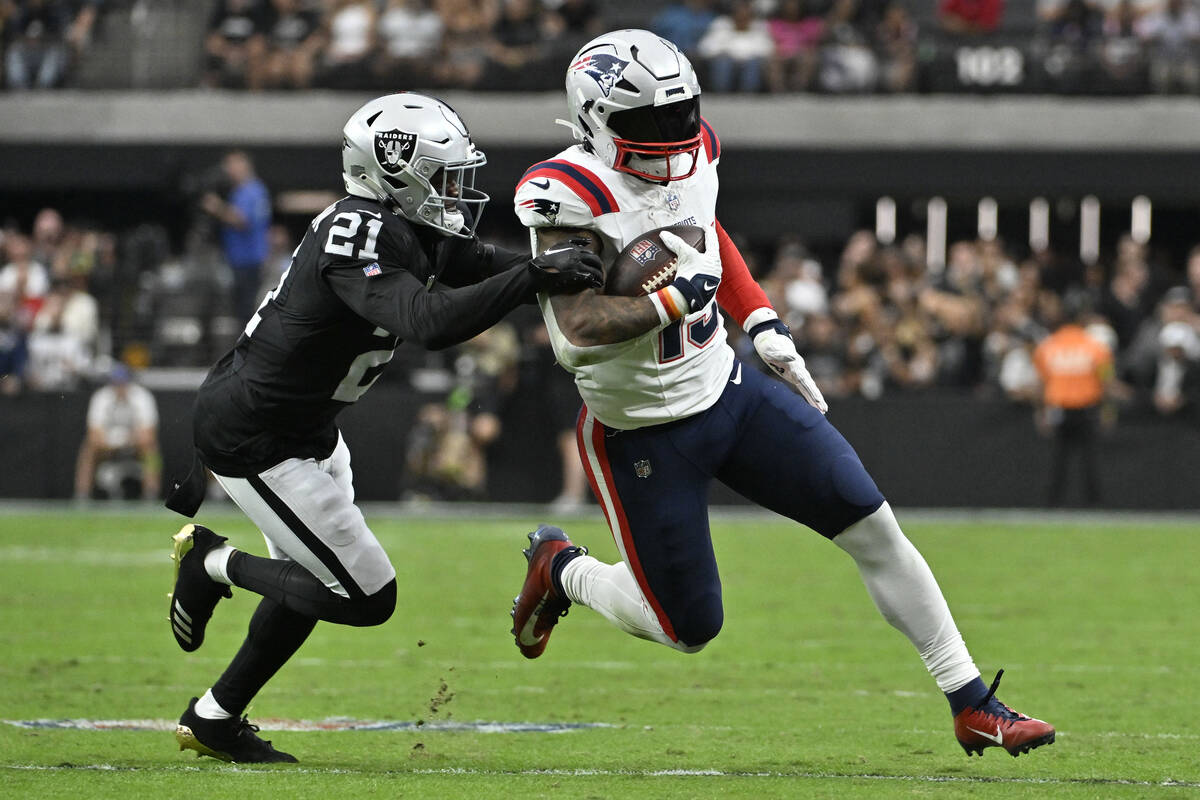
{"x": 646, "y": 264}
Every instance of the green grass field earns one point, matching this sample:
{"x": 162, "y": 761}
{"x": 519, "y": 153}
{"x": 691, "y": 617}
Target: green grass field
{"x": 806, "y": 693}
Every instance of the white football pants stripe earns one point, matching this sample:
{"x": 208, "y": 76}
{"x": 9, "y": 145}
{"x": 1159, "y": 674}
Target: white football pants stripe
{"x": 321, "y": 495}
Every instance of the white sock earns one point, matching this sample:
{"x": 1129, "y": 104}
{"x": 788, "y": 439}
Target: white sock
{"x": 207, "y": 707}
{"x": 611, "y": 590}
{"x": 216, "y": 564}
{"x": 906, "y": 593}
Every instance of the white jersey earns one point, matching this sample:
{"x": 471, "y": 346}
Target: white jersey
{"x": 668, "y": 373}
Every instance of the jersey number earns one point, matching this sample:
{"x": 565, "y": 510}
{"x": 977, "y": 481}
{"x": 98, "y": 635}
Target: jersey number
{"x": 699, "y": 333}
{"x": 363, "y": 372}
{"x": 342, "y": 235}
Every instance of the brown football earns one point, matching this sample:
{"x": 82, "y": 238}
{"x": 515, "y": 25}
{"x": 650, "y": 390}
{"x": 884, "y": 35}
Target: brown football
{"x": 646, "y": 265}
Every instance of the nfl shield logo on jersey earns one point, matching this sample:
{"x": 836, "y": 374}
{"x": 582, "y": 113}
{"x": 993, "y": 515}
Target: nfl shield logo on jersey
{"x": 673, "y": 201}
{"x": 372, "y": 269}
{"x": 641, "y": 468}
{"x": 393, "y": 148}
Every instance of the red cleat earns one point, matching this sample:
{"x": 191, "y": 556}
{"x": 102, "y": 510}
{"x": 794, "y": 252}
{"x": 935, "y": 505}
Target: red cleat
{"x": 537, "y": 608}
{"x": 993, "y": 724}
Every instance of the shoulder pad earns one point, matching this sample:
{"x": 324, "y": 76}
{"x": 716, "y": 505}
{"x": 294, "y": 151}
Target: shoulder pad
{"x": 712, "y": 145}
{"x": 579, "y": 194}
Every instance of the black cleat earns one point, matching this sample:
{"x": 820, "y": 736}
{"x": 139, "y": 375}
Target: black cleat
{"x": 195, "y": 594}
{"x": 230, "y": 739}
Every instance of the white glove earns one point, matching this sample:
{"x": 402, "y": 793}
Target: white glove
{"x": 773, "y": 342}
{"x": 697, "y": 275}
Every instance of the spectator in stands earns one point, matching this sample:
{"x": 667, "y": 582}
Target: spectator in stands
{"x": 294, "y": 38}
{"x": 1139, "y": 359}
{"x": 71, "y": 312}
{"x": 848, "y": 62}
{"x": 820, "y": 341}
{"x": 38, "y": 34}
{"x": 235, "y": 44}
{"x": 970, "y": 17}
{"x": 796, "y": 32}
{"x": 25, "y": 280}
{"x": 574, "y": 22}
{"x": 245, "y": 219}
{"x": 410, "y": 32}
{"x": 1171, "y": 35}
{"x": 351, "y": 37}
{"x": 467, "y": 42}
{"x": 1073, "y": 32}
{"x": 48, "y": 232}
{"x": 895, "y": 41}
{"x": 447, "y": 450}
{"x": 1120, "y": 55}
{"x": 685, "y": 24}
{"x": 1125, "y": 299}
{"x": 1177, "y": 378}
{"x": 119, "y": 456}
{"x": 517, "y": 60}
{"x": 736, "y": 48}
{"x": 13, "y": 351}
{"x": 1075, "y": 370}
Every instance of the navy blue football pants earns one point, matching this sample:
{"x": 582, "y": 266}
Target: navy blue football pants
{"x": 762, "y": 440}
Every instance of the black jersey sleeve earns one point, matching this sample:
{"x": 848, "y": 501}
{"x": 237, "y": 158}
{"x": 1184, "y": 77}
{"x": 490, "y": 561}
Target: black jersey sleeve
{"x": 471, "y": 261}
{"x": 386, "y": 292}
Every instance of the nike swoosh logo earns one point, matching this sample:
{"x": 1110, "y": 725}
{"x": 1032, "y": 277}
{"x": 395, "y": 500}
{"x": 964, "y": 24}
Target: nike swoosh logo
{"x": 542, "y": 184}
{"x": 558, "y": 250}
{"x": 708, "y": 287}
{"x": 998, "y": 737}
{"x": 738, "y": 377}
{"x": 374, "y": 214}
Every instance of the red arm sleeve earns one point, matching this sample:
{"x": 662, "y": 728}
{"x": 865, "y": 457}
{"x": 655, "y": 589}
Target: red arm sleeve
{"x": 739, "y": 293}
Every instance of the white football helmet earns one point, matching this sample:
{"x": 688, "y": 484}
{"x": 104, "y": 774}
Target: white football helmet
{"x": 414, "y": 154}
{"x": 633, "y": 99}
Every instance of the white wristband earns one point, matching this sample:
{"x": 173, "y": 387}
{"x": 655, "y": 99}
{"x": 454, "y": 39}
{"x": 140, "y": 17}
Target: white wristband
{"x": 759, "y": 316}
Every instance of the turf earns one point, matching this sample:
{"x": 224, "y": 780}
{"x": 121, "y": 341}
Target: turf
{"x": 806, "y": 693}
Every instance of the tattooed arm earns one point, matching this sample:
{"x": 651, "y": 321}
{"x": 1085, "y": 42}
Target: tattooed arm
{"x": 589, "y": 318}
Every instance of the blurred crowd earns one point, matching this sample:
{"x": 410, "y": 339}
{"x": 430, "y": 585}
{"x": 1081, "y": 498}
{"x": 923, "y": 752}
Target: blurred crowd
{"x": 879, "y": 321}
{"x": 830, "y": 46}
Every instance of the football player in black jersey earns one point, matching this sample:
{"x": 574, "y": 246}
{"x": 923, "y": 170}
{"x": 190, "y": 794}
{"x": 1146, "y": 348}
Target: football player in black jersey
{"x": 397, "y": 259}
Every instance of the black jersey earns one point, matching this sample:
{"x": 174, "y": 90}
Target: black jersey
{"x": 362, "y": 280}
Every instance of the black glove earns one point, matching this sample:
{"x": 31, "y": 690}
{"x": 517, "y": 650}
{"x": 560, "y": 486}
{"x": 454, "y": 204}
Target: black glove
{"x": 567, "y": 267}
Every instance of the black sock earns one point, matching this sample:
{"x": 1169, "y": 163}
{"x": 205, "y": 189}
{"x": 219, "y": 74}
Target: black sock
{"x": 560, "y": 560}
{"x": 966, "y": 697}
{"x": 275, "y": 634}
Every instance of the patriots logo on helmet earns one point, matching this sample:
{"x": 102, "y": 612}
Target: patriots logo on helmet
{"x": 540, "y": 205}
{"x": 603, "y": 68}
{"x": 394, "y": 148}
{"x": 644, "y": 252}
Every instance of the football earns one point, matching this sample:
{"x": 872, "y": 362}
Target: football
{"x": 646, "y": 265}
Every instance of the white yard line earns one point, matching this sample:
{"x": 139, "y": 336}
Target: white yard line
{"x": 616, "y": 773}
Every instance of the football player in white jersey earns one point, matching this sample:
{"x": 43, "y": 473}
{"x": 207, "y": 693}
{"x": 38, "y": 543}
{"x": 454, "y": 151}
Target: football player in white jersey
{"x": 668, "y": 407}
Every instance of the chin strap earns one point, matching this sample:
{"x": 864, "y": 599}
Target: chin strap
{"x": 575, "y": 131}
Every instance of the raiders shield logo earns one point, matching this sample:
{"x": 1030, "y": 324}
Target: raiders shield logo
{"x": 394, "y": 148}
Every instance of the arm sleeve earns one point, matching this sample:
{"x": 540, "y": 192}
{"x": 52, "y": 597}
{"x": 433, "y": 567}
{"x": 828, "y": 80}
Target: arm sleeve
{"x": 471, "y": 261}
{"x": 739, "y": 294}
{"x": 395, "y": 300}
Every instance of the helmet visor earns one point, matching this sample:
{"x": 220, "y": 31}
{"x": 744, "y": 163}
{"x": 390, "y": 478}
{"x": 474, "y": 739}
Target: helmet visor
{"x": 676, "y": 122}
